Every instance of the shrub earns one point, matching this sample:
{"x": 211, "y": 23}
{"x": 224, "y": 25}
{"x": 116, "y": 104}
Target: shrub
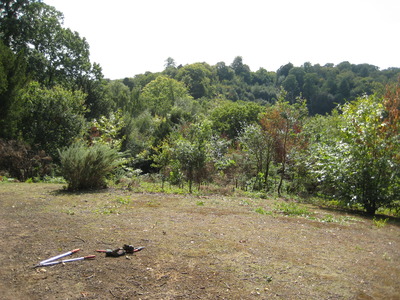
{"x": 86, "y": 167}
{"x": 18, "y": 160}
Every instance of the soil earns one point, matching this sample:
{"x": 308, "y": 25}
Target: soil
{"x": 209, "y": 247}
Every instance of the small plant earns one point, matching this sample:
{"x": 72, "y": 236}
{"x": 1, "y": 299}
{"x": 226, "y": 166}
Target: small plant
{"x": 292, "y": 209}
{"x": 122, "y": 200}
{"x": 261, "y": 211}
{"x": 328, "y": 219}
{"x": 153, "y": 203}
{"x": 106, "y": 211}
{"x": 70, "y": 212}
{"x": 380, "y": 222}
{"x": 268, "y": 278}
{"x": 200, "y": 203}
{"x": 244, "y": 202}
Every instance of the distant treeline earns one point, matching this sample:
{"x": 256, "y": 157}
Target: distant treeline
{"x": 324, "y": 87}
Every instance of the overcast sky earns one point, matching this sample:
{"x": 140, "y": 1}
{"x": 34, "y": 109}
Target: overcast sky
{"x": 129, "y": 37}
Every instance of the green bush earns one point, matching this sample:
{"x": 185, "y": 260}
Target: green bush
{"x": 86, "y": 167}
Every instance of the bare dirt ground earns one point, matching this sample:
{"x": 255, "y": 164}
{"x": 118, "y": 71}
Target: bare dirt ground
{"x": 196, "y": 248}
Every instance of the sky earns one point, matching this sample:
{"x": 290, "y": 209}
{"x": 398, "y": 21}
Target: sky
{"x": 130, "y": 37}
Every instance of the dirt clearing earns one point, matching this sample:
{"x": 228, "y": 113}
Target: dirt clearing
{"x": 195, "y": 248}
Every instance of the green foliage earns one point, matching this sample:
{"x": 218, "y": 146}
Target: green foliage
{"x": 13, "y": 78}
{"x": 108, "y": 130}
{"x": 87, "y": 167}
{"x": 229, "y": 118}
{"x": 361, "y": 165}
{"x": 55, "y": 55}
{"x": 258, "y": 145}
{"x": 161, "y": 94}
{"x": 123, "y": 200}
{"x": 291, "y": 209}
{"x": 51, "y": 118}
{"x": 198, "y": 77}
{"x": 261, "y": 211}
{"x": 191, "y": 157}
{"x": 379, "y": 223}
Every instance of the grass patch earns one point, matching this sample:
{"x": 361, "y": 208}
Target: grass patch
{"x": 261, "y": 211}
{"x": 380, "y": 223}
{"x": 123, "y": 200}
{"x": 291, "y": 209}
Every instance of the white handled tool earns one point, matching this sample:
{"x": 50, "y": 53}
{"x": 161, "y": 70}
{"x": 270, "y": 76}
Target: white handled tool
{"x": 58, "y": 256}
{"x": 50, "y": 263}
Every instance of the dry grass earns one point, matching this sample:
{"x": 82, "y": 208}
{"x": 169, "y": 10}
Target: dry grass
{"x": 211, "y": 247}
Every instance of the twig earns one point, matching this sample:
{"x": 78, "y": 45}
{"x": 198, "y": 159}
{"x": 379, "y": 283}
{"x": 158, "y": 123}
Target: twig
{"x": 80, "y": 239}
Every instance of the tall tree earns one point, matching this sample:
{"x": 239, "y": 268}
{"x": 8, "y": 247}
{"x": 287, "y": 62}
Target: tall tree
{"x": 51, "y": 118}
{"x": 160, "y": 94}
{"x": 55, "y": 55}
{"x": 198, "y": 77}
{"x": 12, "y": 79}
{"x": 283, "y": 122}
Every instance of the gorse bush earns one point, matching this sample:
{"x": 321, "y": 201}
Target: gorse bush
{"x": 86, "y": 167}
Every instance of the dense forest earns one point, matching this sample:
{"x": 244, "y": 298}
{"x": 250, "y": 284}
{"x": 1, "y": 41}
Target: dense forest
{"x": 330, "y": 130}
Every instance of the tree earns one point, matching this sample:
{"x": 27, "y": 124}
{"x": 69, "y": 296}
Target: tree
{"x": 259, "y": 146}
{"x": 12, "y": 79}
{"x": 161, "y": 93}
{"x": 198, "y": 77}
{"x": 362, "y": 164}
{"x": 120, "y": 96}
{"x": 229, "y": 118}
{"x": 241, "y": 69}
{"x": 291, "y": 85}
{"x": 170, "y": 67}
{"x": 51, "y": 118}
{"x": 189, "y": 151}
{"x": 10, "y": 13}
{"x": 283, "y": 123}
{"x": 55, "y": 55}
{"x": 224, "y": 72}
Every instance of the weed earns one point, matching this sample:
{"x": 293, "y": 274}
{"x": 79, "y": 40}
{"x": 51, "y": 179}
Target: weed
{"x": 268, "y": 278}
{"x": 122, "y": 200}
{"x": 332, "y": 219}
{"x": 261, "y": 211}
{"x": 380, "y": 222}
{"x": 291, "y": 209}
{"x": 107, "y": 211}
{"x": 70, "y": 212}
{"x": 153, "y": 203}
{"x": 200, "y": 203}
{"x": 385, "y": 256}
{"x": 244, "y": 202}
{"x": 328, "y": 219}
